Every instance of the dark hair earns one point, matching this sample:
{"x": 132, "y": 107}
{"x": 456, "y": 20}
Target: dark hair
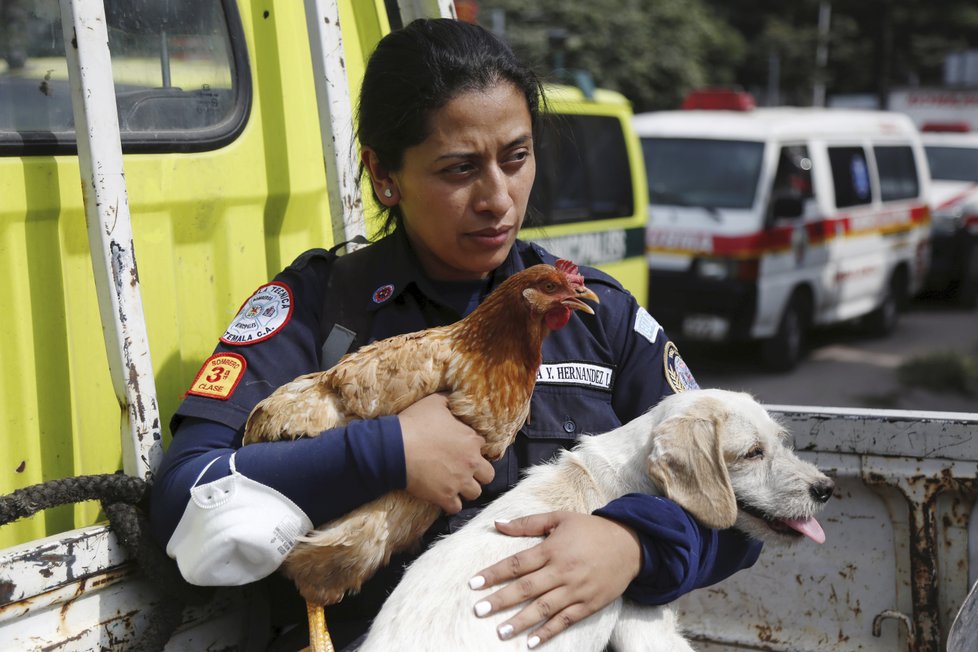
{"x": 419, "y": 69}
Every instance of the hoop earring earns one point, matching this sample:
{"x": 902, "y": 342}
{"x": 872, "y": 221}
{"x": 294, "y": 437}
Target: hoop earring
{"x": 388, "y": 193}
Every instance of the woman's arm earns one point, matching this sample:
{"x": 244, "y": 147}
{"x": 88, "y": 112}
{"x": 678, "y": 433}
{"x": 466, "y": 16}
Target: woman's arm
{"x": 424, "y": 449}
{"x": 325, "y": 476}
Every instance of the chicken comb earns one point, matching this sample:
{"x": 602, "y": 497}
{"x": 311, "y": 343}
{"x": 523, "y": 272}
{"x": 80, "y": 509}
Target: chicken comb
{"x": 570, "y": 270}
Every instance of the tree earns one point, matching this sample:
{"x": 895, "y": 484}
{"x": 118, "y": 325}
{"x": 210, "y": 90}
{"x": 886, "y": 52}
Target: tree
{"x": 655, "y": 51}
{"x": 652, "y": 52}
{"x": 874, "y": 45}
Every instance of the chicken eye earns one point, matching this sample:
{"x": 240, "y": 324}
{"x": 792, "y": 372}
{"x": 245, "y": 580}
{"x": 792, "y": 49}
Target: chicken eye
{"x": 755, "y": 453}
{"x": 550, "y": 287}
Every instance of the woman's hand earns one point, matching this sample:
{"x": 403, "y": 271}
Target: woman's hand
{"x": 443, "y": 456}
{"x": 584, "y": 564}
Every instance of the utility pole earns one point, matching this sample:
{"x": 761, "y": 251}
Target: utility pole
{"x": 821, "y": 52}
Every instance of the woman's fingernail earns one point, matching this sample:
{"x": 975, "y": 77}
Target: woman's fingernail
{"x": 505, "y": 631}
{"x": 482, "y": 608}
{"x": 532, "y": 642}
{"x": 503, "y": 521}
{"x": 477, "y": 582}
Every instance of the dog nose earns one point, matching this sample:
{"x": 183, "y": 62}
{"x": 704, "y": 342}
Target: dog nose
{"x": 822, "y": 490}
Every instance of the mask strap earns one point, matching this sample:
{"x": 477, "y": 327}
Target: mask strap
{"x": 211, "y": 463}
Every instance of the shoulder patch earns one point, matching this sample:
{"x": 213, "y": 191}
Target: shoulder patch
{"x": 646, "y": 325}
{"x": 262, "y": 315}
{"x": 219, "y": 376}
{"x": 678, "y": 375}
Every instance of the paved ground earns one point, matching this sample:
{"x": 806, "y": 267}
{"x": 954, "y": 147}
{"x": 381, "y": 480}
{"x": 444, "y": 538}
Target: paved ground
{"x": 847, "y": 369}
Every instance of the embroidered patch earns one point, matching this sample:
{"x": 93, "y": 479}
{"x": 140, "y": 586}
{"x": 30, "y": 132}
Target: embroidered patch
{"x": 581, "y": 374}
{"x": 261, "y": 316}
{"x": 646, "y": 325}
{"x": 678, "y": 375}
{"x": 219, "y": 375}
{"x": 383, "y": 293}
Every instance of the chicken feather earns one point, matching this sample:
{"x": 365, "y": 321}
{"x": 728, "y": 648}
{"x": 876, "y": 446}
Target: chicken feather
{"x": 486, "y": 363}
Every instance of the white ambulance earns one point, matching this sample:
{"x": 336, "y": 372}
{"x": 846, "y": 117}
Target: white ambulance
{"x": 952, "y": 155}
{"x": 764, "y": 223}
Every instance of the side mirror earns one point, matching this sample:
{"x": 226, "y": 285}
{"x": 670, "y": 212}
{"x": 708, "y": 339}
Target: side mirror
{"x": 787, "y": 206}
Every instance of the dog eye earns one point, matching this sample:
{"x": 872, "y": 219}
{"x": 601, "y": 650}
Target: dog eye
{"x": 757, "y": 451}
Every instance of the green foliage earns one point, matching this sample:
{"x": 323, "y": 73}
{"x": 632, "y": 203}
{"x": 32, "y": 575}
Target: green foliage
{"x": 652, "y": 52}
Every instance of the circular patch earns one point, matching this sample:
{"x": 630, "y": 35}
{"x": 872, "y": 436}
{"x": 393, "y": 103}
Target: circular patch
{"x": 261, "y": 316}
{"x": 678, "y": 375}
{"x": 383, "y": 293}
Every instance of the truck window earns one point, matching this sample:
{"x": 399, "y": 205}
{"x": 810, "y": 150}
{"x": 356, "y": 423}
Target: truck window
{"x": 898, "y": 172}
{"x": 953, "y": 163}
{"x": 850, "y": 175}
{"x": 179, "y": 68}
{"x": 583, "y": 171}
{"x": 702, "y": 172}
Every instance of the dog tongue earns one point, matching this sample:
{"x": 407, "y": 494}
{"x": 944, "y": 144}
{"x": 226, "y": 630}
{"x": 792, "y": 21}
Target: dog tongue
{"x": 807, "y": 526}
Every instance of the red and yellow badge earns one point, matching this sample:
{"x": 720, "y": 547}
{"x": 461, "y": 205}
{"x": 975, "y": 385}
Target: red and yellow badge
{"x": 219, "y": 376}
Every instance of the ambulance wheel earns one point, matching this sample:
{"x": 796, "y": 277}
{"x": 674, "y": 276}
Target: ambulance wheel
{"x": 883, "y": 321}
{"x": 784, "y": 350}
{"x": 967, "y": 290}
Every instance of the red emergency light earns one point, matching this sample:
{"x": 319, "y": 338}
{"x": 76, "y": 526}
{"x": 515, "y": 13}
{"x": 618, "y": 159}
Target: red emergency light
{"x": 719, "y": 99}
{"x": 961, "y": 127}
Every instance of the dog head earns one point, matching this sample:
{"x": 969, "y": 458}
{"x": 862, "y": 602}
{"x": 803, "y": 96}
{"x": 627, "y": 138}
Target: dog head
{"x": 721, "y": 456}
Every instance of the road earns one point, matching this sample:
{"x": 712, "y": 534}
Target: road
{"x": 845, "y": 368}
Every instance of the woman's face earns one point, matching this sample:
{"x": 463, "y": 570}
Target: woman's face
{"x": 463, "y": 191}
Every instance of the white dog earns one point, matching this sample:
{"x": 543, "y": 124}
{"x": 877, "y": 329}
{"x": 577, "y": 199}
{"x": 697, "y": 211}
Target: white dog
{"x": 716, "y": 453}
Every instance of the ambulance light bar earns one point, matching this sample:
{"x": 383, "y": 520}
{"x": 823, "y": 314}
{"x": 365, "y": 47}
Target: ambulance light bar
{"x": 719, "y": 99}
{"x": 947, "y": 127}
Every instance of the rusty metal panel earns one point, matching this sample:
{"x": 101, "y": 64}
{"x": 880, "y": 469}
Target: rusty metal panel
{"x": 899, "y": 557}
{"x": 909, "y": 433}
{"x": 78, "y": 592}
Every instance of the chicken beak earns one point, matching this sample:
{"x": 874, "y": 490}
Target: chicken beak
{"x": 575, "y": 303}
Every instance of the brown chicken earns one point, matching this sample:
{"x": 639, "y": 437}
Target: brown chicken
{"x": 486, "y": 363}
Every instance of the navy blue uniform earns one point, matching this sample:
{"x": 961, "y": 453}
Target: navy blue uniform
{"x": 598, "y": 372}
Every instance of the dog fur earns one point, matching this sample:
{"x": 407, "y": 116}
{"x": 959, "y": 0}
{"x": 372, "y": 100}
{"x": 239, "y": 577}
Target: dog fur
{"x": 716, "y": 453}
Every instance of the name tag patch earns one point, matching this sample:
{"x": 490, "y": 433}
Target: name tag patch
{"x": 261, "y": 316}
{"x": 581, "y": 374}
{"x": 219, "y": 375}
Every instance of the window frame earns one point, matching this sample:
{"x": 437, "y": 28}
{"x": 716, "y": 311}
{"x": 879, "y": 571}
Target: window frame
{"x": 41, "y": 143}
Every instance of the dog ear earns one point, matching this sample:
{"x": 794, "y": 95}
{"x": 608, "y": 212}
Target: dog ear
{"x": 686, "y": 462}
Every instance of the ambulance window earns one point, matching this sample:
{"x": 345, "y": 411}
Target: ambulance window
{"x": 583, "y": 171}
{"x": 898, "y": 172}
{"x": 794, "y": 175}
{"x": 850, "y": 175}
{"x": 181, "y": 77}
{"x": 953, "y": 163}
{"x": 704, "y": 172}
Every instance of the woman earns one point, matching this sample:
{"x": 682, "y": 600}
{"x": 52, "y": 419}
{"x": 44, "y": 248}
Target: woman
{"x": 446, "y": 123}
